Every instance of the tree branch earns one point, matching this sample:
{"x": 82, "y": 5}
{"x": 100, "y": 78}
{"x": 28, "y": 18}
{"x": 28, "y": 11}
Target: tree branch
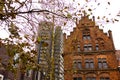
{"x": 13, "y": 14}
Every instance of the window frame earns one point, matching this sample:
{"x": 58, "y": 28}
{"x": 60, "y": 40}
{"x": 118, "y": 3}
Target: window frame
{"x": 102, "y": 63}
{"x": 88, "y": 47}
{"x": 89, "y": 63}
{"x": 77, "y": 64}
{"x": 86, "y": 34}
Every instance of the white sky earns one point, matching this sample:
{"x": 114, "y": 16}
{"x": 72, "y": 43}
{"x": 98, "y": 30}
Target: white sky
{"x": 101, "y": 11}
{"x": 114, "y": 8}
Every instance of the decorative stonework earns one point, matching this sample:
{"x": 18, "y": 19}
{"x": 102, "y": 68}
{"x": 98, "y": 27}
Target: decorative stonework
{"x": 93, "y": 48}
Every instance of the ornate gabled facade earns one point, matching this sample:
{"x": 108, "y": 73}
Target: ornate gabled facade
{"x": 89, "y": 53}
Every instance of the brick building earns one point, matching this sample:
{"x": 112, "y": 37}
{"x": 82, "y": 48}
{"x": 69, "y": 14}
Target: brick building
{"x": 118, "y": 56}
{"x": 89, "y": 53}
{"x": 118, "y": 59}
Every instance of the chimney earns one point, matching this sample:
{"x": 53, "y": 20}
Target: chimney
{"x": 110, "y": 36}
{"x": 94, "y": 18}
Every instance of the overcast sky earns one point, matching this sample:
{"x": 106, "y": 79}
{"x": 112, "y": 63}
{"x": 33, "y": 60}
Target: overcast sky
{"x": 104, "y": 9}
{"x": 108, "y": 8}
{"x": 113, "y": 9}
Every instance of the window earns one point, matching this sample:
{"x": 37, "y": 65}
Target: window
{"x": 102, "y": 63}
{"x": 78, "y": 48}
{"x": 85, "y": 48}
{"x": 97, "y": 47}
{"x": 89, "y": 63}
{"x": 90, "y": 78}
{"x": 104, "y": 78}
{"x": 77, "y": 78}
{"x": 77, "y": 64}
{"x": 88, "y": 47}
{"x": 86, "y": 37}
{"x": 86, "y": 34}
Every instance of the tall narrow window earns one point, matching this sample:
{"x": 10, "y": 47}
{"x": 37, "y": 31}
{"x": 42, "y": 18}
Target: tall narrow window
{"x": 78, "y": 48}
{"x": 79, "y": 65}
{"x": 91, "y": 63}
{"x": 74, "y": 64}
{"x": 89, "y": 47}
{"x": 104, "y": 63}
{"x": 87, "y": 63}
{"x": 97, "y": 47}
{"x": 85, "y": 47}
{"x": 99, "y": 63}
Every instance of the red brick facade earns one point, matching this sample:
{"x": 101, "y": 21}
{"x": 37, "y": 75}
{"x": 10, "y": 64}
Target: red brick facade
{"x": 89, "y": 53}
